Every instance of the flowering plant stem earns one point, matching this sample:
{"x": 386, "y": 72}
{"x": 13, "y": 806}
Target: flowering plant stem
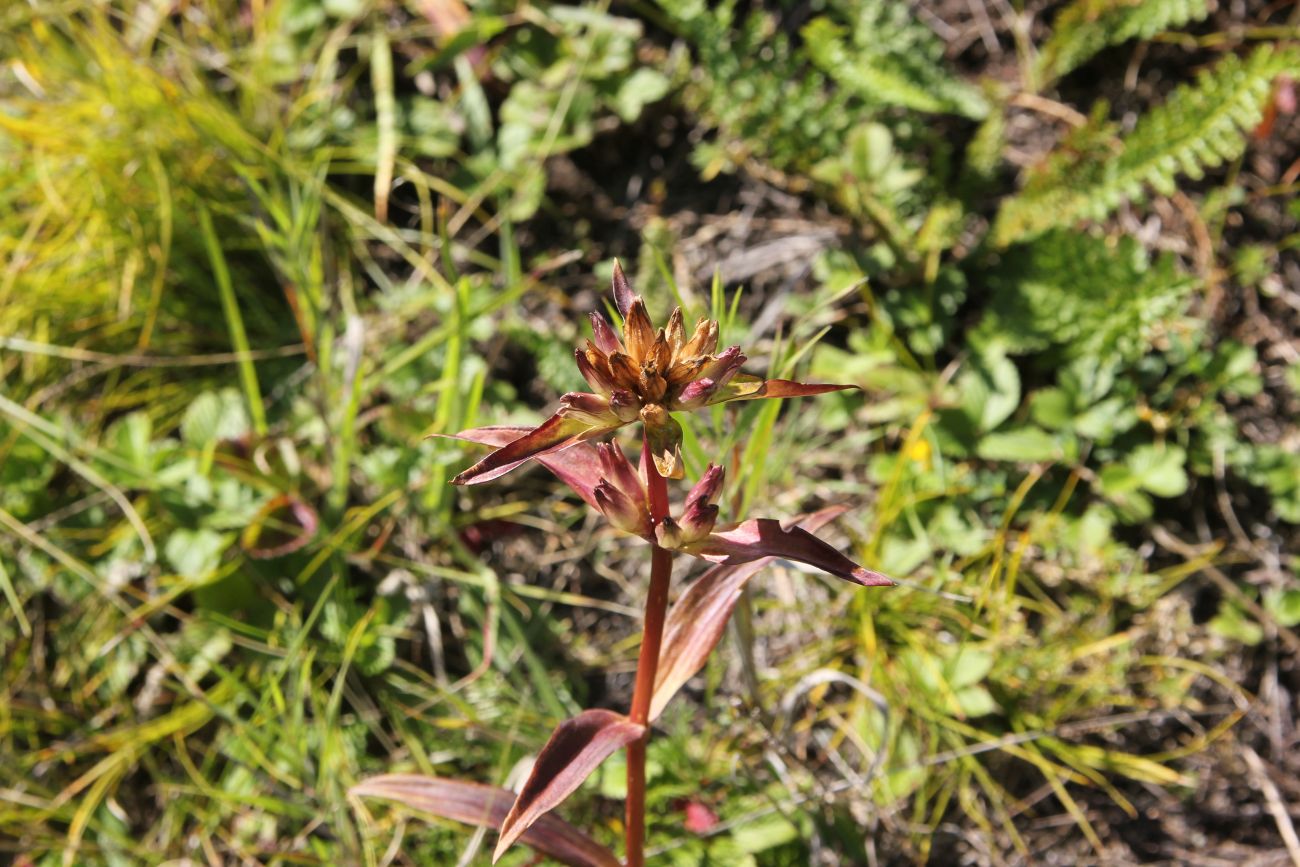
{"x": 661, "y": 568}
{"x": 644, "y": 377}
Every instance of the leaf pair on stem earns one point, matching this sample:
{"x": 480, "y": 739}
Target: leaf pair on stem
{"x": 645, "y": 376}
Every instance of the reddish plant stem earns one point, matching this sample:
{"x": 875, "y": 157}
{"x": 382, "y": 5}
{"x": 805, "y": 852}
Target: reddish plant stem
{"x": 656, "y": 609}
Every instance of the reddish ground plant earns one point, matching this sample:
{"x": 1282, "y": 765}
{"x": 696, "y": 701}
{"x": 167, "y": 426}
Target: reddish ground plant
{"x": 644, "y": 377}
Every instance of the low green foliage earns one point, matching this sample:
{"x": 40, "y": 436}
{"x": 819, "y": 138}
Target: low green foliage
{"x": 248, "y": 263}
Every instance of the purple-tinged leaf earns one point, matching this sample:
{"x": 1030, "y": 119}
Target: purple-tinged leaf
{"x": 486, "y": 806}
{"x": 623, "y": 294}
{"x": 577, "y": 748}
{"x": 578, "y": 466}
{"x": 765, "y": 537}
{"x": 551, "y": 435}
{"x": 698, "y": 619}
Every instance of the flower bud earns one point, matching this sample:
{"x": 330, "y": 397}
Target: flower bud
{"x": 623, "y": 511}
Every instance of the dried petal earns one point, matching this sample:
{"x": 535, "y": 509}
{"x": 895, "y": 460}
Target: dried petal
{"x": 662, "y": 351}
{"x": 703, "y": 340}
{"x": 577, "y": 748}
{"x": 675, "y": 333}
{"x": 594, "y": 368}
{"x": 653, "y": 386}
{"x": 638, "y": 331}
{"x": 486, "y": 806}
{"x": 764, "y": 537}
{"x": 685, "y": 370}
{"x": 623, "y": 294}
{"x": 604, "y": 335}
{"x": 626, "y": 373}
{"x": 550, "y": 436}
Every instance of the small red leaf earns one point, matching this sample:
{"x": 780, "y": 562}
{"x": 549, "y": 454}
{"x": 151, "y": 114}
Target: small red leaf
{"x": 577, "y": 748}
{"x": 550, "y": 436}
{"x": 697, "y": 620}
{"x": 578, "y": 466}
{"x": 486, "y": 806}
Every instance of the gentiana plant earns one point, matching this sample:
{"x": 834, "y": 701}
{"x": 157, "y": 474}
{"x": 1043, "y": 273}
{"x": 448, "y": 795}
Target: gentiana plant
{"x": 645, "y": 377}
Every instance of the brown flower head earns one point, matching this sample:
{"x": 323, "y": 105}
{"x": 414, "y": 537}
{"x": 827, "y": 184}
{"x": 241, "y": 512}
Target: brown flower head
{"x": 647, "y": 375}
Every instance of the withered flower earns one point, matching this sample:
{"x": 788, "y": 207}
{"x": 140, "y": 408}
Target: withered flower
{"x": 646, "y": 376}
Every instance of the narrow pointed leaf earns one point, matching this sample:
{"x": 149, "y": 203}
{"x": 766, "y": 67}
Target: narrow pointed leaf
{"x": 699, "y": 617}
{"x": 551, "y": 435}
{"x": 765, "y": 537}
{"x": 577, "y": 748}
{"x": 745, "y": 387}
{"x": 486, "y": 806}
{"x": 578, "y": 466}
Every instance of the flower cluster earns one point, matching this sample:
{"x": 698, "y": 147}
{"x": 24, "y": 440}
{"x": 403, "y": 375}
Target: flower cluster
{"x": 646, "y": 376}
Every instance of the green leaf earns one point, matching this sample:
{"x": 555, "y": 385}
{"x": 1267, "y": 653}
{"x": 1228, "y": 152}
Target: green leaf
{"x": 1284, "y": 606}
{"x": 130, "y": 439}
{"x": 975, "y": 701}
{"x": 1200, "y": 126}
{"x": 1159, "y": 470}
{"x": 641, "y": 88}
{"x": 1021, "y": 444}
{"x": 969, "y": 667}
{"x": 1085, "y": 27}
{"x": 1232, "y": 623}
{"x": 989, "y": 388}
{"x": 196, "y": 554}
{"x": 764, "y": 834}
{"x": 214, "y": 416}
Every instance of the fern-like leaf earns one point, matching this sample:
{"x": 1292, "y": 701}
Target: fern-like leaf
{"x": 887, "y": 58}
{"x": 1086, "y": 27}
{"x": 1200, "y": 126}
{"x": 1081, "y": 295}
